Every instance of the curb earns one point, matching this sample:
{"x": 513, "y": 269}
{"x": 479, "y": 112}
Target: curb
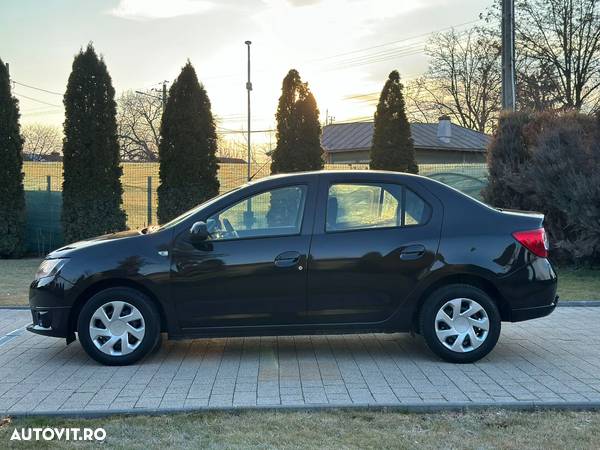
{"x": 414, "y": 408}
{"x": 584, "y": 303}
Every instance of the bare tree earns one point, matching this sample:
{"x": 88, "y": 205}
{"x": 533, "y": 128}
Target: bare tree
{"x": 41, "y": 141}
{"x": 138, "y": 124}
{"x": 562, "y": 38}
{"x": 463, "y": 80}
{"x": 536, "y": 86}
{"x": 235, "y": 145}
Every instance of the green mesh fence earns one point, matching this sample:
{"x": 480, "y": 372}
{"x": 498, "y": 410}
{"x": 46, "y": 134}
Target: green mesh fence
{"x": 43, "y": 232}
{"x": 43, "y": 181}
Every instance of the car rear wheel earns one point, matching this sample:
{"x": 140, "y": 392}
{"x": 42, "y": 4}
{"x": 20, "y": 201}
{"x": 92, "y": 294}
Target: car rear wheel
{"x": 460, "y": 323}
{"x": 119, "y": 326}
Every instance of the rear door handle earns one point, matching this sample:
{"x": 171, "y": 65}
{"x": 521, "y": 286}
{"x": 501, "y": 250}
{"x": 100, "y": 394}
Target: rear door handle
{"x": 412, "y": 252}
{"x": 287, "y": 259}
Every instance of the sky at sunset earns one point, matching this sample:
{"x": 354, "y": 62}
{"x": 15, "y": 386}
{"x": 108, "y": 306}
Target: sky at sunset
{"x": 344, "y": 49}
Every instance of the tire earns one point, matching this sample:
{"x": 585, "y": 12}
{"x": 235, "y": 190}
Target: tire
{"x": 460, "y": 338}
{"x": 122, "y": 340}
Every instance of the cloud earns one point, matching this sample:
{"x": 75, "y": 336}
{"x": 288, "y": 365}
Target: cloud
{"x": 159, "y": 9}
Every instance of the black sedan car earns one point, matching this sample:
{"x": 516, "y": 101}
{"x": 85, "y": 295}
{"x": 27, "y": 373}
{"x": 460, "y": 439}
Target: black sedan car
{"x": 319, "y": 252}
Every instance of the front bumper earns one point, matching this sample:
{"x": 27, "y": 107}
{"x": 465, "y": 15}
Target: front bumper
{"x": 50, "y": 321}
{"x": 49, "y": 312}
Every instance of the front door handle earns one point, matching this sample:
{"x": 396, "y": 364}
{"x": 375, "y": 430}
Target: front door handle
{"x": 287, "y": 259}
{"x": 412, "y": 252}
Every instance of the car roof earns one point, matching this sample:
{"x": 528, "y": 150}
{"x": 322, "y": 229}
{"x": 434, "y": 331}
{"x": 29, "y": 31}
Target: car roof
{"x": 357, "y": 174}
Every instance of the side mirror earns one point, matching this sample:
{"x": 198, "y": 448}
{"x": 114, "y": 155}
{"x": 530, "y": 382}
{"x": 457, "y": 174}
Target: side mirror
{"x": 199, "y": 232}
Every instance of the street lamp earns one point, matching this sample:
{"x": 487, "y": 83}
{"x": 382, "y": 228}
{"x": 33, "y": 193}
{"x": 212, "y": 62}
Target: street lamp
{"x": 248, "y": 88}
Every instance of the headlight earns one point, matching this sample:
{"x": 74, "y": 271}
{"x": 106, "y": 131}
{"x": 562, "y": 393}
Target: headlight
{"x": 49, "y": 267}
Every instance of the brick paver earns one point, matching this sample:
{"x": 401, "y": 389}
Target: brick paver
{"x": 551, "y": 360}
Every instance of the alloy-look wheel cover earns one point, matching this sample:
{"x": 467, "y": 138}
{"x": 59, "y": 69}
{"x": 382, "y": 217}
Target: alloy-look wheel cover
{"x": 117, "y": 328}
{"x": 462, "y": 325}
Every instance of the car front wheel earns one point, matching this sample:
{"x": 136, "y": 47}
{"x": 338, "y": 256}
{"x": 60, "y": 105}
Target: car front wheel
{"x": 119, "y": 326}
{"x": 460, "y": 323}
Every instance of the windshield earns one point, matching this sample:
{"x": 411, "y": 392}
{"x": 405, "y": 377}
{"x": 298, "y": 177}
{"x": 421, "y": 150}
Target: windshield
{"x": 177, "y": 220}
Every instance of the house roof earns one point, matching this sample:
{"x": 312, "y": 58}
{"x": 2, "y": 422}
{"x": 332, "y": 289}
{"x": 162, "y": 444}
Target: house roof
{"x": 358, "y": 136}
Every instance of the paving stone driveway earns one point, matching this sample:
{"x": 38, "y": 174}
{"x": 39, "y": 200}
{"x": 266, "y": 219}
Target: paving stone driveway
{"x": 554, "y": 359}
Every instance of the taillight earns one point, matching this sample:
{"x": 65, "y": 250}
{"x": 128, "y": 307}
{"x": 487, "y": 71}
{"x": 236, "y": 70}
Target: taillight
{"x": 535, "y": 241}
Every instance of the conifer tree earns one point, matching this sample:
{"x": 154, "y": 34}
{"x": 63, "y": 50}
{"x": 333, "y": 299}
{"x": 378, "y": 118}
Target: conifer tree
{"x": 392, "y": 147}
{"x": 187, "y": 150}
{"x": 298, "y": 128}
{"x": 92, "y": 191}
{"x": 12, "y": 195}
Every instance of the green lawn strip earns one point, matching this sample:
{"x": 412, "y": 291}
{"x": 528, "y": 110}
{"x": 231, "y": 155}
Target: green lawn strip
{"x": 500, "y": 429}
{"x": 578, "y": 284}
{"x": 16, "y": 276}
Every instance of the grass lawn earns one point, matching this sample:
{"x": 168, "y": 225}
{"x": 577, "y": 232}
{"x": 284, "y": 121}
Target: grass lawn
{"x": 332, "y": 429}
{"x": 579, "y": 284}
{"x": 16, "y": 276}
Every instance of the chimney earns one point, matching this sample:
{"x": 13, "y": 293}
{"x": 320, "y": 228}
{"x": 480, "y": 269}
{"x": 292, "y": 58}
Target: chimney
{"x": 444, "y": 131}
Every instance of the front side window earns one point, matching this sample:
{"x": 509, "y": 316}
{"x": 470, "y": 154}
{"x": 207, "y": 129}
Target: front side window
{"x": 273, "y": 213}
{"x": 361, "y": 206}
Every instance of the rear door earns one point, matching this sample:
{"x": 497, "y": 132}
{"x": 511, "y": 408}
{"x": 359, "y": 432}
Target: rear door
{"x": 372, "y": 242}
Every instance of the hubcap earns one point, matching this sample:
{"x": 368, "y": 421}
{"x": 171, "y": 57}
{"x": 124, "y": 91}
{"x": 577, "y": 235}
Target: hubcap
{"x": 117, "y": 328}
{"x": 462, "y": 325}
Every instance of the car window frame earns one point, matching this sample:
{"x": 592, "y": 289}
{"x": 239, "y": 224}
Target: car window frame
{"x": 377, "y": 184}
{"x": 307, "y": 188}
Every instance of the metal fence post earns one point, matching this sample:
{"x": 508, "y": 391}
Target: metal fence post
{"x": 149, "y": 200}
{"x": 48, "y": 182}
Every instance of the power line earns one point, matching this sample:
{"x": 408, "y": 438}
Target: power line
{"x": 397, "y": 41}
{"x": 230, "y": 131}
{"x": 372, "y": 60}
{"x": 42, "y": 113}
{"x": 36, "y": 100}
{"x": 366, "y": 56}
{"x": 361, "y": 119}
{"x": 36, "y": 88}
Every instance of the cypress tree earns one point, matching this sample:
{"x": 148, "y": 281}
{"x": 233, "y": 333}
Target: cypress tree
{"x": 187, "y": 150}
{"x": 92, "y": 191}
{"x": 392, "y": 147}
{"x": 298, "y": 128}
{"x": 12, "y": 195}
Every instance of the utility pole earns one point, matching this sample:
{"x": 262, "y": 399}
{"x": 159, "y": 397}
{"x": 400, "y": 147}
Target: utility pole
{"x": 162, "y": 98}
{"x": 10, "y": 85}
{"x": 164, "y": 95}
{"x": 508, "y": 55}
{"x": 249, "y": 88}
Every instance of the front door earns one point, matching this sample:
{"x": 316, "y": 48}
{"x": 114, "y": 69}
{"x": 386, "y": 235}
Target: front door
{"x": 372, "y": 242}
{"x": 251, "y": 270}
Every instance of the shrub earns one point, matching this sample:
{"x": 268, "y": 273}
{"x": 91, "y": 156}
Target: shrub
{"x": 187, "y": 150}
{"x": 552, "y": 165}
{"x": 12, "y": 196}
{"x": 507, "y": 155}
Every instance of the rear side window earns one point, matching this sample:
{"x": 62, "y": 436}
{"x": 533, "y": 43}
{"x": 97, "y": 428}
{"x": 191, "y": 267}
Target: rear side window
{"x": 352, "y": 206}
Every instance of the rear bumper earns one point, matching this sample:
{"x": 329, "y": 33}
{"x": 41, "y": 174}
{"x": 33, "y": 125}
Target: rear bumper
{"x": 521, "y": 314}
{"x": 530, "y": 292}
